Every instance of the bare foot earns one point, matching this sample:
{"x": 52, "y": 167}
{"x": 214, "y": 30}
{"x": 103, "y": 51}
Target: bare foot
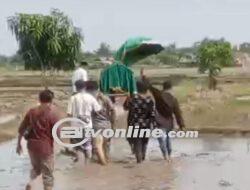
{"x": 169, "y": 159}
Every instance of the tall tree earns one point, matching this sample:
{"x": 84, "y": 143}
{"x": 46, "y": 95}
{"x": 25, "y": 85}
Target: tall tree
{"x": 46, "y": 41}
{"x": 212, "y": 55}
{"x": 104, "y": 50}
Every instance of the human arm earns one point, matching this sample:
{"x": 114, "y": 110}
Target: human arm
{"x": 95, "y": 105}
{"x": 152, "y": 113}
{"x": 126, "y": 103}
{"x": 109, "y": 106}
{"x": 19, "y": 149}
{"x": 112, "y": 112}
{"x": 155, "y": 92}
{"x": 70, "y": 107}
{"x": 21, "y": 130}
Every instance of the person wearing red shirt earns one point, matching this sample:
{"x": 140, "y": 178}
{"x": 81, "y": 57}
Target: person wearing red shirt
{"x": 36, "y": 128}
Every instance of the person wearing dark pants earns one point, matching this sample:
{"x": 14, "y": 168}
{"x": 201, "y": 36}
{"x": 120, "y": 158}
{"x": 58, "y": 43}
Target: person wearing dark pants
{"x": 167, "y": 109}
{"x": 140, "y": 148}
{"x": 141, "y": 114}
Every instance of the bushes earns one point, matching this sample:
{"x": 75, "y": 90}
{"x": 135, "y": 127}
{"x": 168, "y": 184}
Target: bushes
{"x": 173, "y": 59}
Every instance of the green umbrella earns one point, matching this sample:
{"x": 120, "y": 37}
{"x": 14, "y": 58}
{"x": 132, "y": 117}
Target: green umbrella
{"x": 135, "y": 49}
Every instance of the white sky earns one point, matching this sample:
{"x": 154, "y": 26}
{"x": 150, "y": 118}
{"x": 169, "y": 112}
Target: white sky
{"x": 113, "y": 21}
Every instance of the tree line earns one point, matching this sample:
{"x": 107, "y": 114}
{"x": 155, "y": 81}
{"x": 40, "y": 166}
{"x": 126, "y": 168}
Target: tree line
{"x": 52, "y": 42}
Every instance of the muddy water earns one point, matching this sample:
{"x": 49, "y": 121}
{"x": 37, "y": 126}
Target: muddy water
{"x": 210, "y": 162}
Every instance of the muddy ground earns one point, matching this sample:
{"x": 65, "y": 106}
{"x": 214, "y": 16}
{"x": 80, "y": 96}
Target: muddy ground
{"x": 210, "y": 162}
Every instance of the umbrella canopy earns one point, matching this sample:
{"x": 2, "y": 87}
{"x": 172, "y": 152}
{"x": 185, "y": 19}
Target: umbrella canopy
{"x": 135, "y": 49}
{"x": 117, "y": 78}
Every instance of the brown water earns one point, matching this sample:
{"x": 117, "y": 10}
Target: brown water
{"x": 211, "y": 162}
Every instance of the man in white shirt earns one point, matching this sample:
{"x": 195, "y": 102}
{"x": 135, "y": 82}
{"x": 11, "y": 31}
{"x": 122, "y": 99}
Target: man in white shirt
{"x": 81, "y": 105}
{"x": 78, "y": 74}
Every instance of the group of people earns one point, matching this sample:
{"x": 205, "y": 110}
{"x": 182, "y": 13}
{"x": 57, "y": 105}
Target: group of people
{"x": 148, "y": 108}
{"x": 157, "y": 109}
{"x": 97, "y": 111}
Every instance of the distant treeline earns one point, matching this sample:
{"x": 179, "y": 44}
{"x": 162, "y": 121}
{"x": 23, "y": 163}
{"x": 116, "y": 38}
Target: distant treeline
{"x": 52, "y": 42}
{"x": 13, "y": 60}
{"x": 172, "y": 56}
{"x": 185, "y": 56}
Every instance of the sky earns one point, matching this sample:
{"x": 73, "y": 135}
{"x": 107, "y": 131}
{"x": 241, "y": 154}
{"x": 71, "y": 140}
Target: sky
{"x": 113, "y": 21}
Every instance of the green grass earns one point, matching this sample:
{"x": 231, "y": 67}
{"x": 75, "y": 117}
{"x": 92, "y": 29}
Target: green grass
{"x": 239, "y": 89}
{"x": 240, "y": 103}
{"x": 185, "y": 90}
